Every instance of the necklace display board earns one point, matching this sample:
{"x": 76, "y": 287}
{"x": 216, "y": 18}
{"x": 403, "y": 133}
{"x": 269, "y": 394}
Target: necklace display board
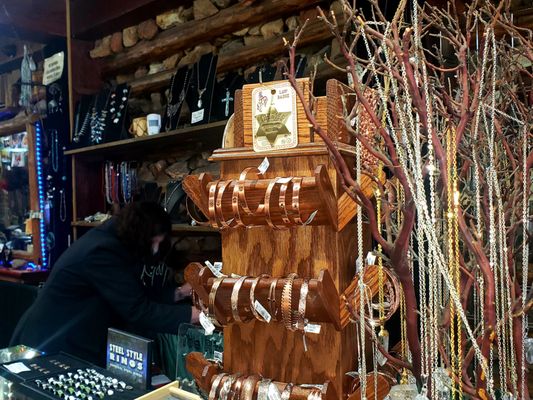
{"x": 224, "y": 96}
{"x": 292, "y": 263}
{"x": 200, "y": 95}
{"x": 179, "y": 87}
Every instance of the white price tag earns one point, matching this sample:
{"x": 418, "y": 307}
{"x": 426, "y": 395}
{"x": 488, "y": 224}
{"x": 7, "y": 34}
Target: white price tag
{"x": 353, "y": 121}
{"x": 312, "y": 328}
{"x": 285, "y": 180}
{"x": 17, "y": 368}
{"x": 273, "y": 392}
{"x": 206, "y": 324}
{"x": 218, "y": 356}
{"x": 311, "y": 218}
{"x": 370, "y": 258}
{"x": 264, "y": 166}
{"x": 262, "y": 311}
{"x": 197, "y": 116}
{"x": 215, "y": 269}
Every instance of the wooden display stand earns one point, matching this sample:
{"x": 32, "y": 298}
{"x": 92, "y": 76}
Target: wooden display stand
{"x": 268, "y": 349}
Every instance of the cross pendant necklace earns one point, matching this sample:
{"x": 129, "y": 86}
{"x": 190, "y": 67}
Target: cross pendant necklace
{"x": 227, "y": 100}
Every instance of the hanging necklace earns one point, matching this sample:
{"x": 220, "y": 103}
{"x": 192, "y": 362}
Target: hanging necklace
{"x": 199, "y": 90}
{"x": 54, "y": 150}
{"x": 62, "y": 206}
{"x": 84, "y": 125}
{"x": 172, "y": 109}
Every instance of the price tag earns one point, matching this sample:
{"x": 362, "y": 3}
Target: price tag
{"x": 370, "y": 258}
{"x": 206, "y": 324}
{"x": 312, "y": 328}
{"x": 264, "y": 166}
{"x": 285, "y": 180}
{"x": 311, "y": 218}
{"x": 353, "y": 121}
{"x": 197, "y": 116}
{"x": 273, "y": 392}
{"x": 218, "y": 356}
{"x": 215, "y": 269}
{"x": 262, "y": 311}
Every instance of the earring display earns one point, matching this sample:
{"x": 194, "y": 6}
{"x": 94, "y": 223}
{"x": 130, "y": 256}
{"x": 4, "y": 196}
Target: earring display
{"x": 292, "y": 300}
{"x": 279, "y": 203}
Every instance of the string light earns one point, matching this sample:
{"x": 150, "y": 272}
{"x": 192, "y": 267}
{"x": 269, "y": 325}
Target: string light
{"x": 40, "y": 192}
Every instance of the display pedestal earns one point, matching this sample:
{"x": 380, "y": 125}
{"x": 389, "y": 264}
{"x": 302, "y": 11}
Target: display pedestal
{"x": 269, "y": 349}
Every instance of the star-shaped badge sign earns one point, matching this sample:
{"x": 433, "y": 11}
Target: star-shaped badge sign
{"x": 272, "y": 124}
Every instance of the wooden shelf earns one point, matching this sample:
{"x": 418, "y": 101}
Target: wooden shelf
{"x": 190, "y": 33}
{"x": 17, "y": 124}
{"x": 208, "y": 134}
{"x": 315, "y": 32}
{"x": 176, "y": 228}
{"x": 248, "y": 55}
{"x": 85, "y": 224}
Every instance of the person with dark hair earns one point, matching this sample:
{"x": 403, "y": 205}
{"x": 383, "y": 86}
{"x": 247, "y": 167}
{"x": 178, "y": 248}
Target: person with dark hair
{"x": 95, "y": 285}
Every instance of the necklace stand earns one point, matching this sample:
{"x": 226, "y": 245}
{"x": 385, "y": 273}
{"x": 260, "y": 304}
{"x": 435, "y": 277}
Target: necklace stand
{"x": 178, "y": 91}
{"x": 200, "y": 95}
{"x": 224, "y": 96}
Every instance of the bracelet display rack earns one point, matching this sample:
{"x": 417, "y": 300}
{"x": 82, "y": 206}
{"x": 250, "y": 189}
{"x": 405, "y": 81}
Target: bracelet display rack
{"x": 262, "y": 216}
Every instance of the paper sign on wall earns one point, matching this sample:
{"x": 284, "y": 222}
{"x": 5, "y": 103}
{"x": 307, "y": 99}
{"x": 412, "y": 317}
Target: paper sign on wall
{"x": 53, "y": 68}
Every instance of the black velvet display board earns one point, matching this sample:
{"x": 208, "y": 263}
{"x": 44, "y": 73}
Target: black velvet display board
{"x": 200, "y": 94}
{"x": 263, "y": 73}
{"x": 117, "y": 108}
{"x": 178, "y": 90}
{"x": 224, "y": 96}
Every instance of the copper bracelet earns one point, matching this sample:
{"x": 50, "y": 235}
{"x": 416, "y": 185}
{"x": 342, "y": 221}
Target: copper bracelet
{"x": 235, "y": 299}
{"x": 266, "y": 203}
{"x": 304, "y": 290}
{"x": 226, "y": 386}
{"x": 235, "y": 205}
{"x": 248, "y": 388}
{"x": 252, "y": 297}
{"x": 314, "y": 394}
{"x": 211, "y": 204}
{"x": 286, "y": 302}
{"x": 237, "y": 389}
{"x": 283, "y": 202}
{"x": 215, "y": 385}
{"x": 272, "y": 299}
{"x": 219, "y": 210}
{"x": 296, "y": 186}
{"x": 286, "y": 395}
{"x": 262, "y": 390}
{"x": 242, "y": 195}
{"x": 212, "y": 297}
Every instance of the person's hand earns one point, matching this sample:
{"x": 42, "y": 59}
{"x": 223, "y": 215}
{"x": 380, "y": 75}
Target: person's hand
{"x": 195, "y": 315}
{"x": 183, "y": 292}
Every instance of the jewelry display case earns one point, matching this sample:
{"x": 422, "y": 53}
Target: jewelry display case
{"x": 22, "y": 210}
